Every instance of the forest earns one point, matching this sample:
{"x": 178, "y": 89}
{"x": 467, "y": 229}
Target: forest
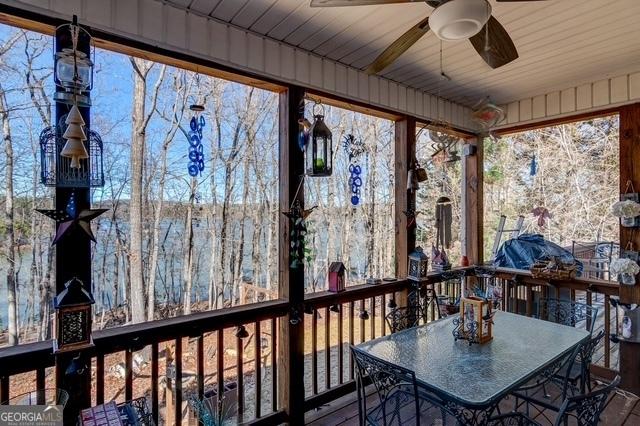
{"x": 172, "y": 244}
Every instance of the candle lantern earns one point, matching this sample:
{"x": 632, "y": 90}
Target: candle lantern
{"x": 73, "y": 69}
{"x": 319, "y": 149}
{"x": 73, "y": 317}
{"x": 417, "y": 264}
{"x": 475, "y": 323}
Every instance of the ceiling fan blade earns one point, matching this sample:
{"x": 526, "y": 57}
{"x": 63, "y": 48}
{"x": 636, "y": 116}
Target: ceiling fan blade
{"x": 500, "y": 50}
{"x": 398, "y": 47}
{"x": 335, "y": 3}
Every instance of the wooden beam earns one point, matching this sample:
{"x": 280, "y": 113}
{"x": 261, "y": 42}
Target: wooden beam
{"x": 405, "y": 236}
{"x": 629, "y": 158}
{"x": 473, "y": 203}
{"x": 291, "y": 281}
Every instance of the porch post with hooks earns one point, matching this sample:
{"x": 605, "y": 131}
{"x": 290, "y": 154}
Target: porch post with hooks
{"x": 630, "y": 172}
{"x": 73, "y": 256}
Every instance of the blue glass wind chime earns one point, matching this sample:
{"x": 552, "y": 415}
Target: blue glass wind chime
{"x": 196, "y": 150}
{"x": 354, "y": 148}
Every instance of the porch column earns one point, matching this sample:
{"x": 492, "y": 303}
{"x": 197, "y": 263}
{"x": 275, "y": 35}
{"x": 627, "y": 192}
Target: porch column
{"x": 630, "y": 171}
{"x": 405, "y": 156}
{"x": 291, "y": 281}
{"x": 73, "y": 259}
{"x": 472, "y": 202}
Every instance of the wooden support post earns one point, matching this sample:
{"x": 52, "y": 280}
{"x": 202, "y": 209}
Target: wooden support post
{"x": 630, "y": 156}
{"x": 473, "y": 204}
{"x": 291, "y": 281}
{"x": 405, "y": 154}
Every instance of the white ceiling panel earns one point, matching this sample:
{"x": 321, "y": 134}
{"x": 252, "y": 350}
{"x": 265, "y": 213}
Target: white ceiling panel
{"x": 560, "y": 42}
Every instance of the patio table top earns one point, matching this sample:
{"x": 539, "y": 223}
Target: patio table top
{"x": 477, "y": 376}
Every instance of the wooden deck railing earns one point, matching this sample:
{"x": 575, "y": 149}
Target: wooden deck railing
{"x": 333, "y": 321}
{"x": 171, "y": 333}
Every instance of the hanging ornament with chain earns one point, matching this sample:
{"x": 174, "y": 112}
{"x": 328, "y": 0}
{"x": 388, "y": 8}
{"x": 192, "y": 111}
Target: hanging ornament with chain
{"x": 354, "y": 149}
{"x": 196, "y": 150}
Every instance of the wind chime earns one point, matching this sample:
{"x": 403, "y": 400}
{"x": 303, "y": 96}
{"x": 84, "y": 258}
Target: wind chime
{"x": 354, "y": 149}
{"x": 297, "y": 215}
{"x": 196, "y": 150}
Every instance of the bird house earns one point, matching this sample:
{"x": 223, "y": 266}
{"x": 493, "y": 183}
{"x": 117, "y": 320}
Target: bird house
{"x": 336, "y": 277}
{"x": 73, "y": 317}
{"x": 476, "y": 320}
{"x": 417, "y": 265}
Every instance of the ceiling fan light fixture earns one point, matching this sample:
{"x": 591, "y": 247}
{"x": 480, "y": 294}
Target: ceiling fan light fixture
{"x": 459, "y": 19}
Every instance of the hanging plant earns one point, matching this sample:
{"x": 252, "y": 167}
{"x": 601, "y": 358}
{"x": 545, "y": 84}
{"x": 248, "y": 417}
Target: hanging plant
{"x": 626, "y": 209}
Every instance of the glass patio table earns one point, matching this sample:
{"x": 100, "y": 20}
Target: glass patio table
{"x": 477, "y": 377}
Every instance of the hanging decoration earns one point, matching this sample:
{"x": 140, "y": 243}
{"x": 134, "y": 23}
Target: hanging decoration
{"x": 75, "y": 137}
{"x": 443, "y": 222}
{"x": 487, "y": 114}
{"x": 542, "y": 213}
{"x": 354, "y": 149}
{"x": 439, "y": 259}
{"x": 304, "y": 127}
{"x": 297, "y": 215}
{"x": 319, "y": 148}
{"x": 196, "y": 150}
{"x": 444, "y": 147}
{"x": 70, "y": 218}
{"x": 533, "y": 166}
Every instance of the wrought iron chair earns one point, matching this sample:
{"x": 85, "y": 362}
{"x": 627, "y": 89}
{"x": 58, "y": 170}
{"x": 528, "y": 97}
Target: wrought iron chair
{"x": 401, "y": 318}
{"x": 585, "y": 410}
{"x": 567, "y": 312}
{"x": 556, "y": 376}
{"x": 580, "y": 374}
{"x": 396, "y": 389}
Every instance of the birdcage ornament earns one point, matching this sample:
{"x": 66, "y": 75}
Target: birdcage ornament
{"x": 75, "y": 170}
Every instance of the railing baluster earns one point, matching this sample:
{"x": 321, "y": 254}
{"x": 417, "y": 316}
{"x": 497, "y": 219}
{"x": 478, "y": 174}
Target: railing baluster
{"x": 383, "y": 315}
{"x": 372, "y": 316}
{"x": 351, "y": 336}
{"x": 154, "y": 380}
{"x": 327, "y": 348}
{"x": 4, "y": 388}
{"x": 274, "y": 365}
{"x": 220, "y": 364}
{"x": 178, "y": 382}
{"x": 99, "y": 379}
{"x": 529, "y": 292}
{"x": 40, "y": 384}
{"x": 128, "y": 380}
{"x": 607, "y": 331}
{"x": 340, "y": 345}
{"x": 314, "y": 352}
{"x": 362, "y": 309}
{"x": 258, "y": 367}
{"x": 240, "y": 377}
{"x": 589, "y": 302}
{"x": 200, "y": 365}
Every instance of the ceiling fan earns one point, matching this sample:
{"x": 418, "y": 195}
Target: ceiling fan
{"x": 451, "y": 20}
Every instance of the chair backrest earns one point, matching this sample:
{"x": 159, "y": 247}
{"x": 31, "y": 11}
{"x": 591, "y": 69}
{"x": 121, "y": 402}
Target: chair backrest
{"x": 588, "y": 349}
{"x": 396, "y": 388}
{"x": 585, "y": 410}
{"x": 567, "y": 312}
{"x": 401, "y": 318}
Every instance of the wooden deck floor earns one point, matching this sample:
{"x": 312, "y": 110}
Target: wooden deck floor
{"x": 622, "y": 410}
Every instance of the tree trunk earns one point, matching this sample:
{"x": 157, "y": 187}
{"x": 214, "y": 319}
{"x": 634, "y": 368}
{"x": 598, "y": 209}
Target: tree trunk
{"x": 10, "y": 244}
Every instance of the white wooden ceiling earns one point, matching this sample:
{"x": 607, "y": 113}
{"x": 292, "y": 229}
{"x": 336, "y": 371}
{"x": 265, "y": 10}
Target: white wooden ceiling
{"x": 561, "y": 42}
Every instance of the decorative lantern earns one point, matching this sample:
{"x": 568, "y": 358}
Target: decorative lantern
{"x": 73, "y": 69}
{"x": 417, "y": 265}
{"x": 475, "y": 323}
{"x": 73, "y": 317}
{"x": 336, "y": 277}
{"x": 319, "y": 149}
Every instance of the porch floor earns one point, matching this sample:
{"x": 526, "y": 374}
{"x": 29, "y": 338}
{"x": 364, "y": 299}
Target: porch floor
{"x": 622, "y": 410}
